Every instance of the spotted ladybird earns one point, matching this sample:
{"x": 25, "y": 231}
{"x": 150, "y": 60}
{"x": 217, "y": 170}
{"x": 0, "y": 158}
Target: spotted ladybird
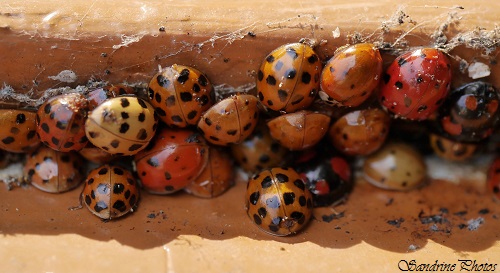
{"x": 416, "y": 84}
{"x": 53, "y": 171}
{"x": 110, "y": 192}
{"x": 278, "y": 201}
{"x": 122, "y": 125}
{"x": 18, "y": 131}
{"x": 180, "y": 94}
{"x": 288, "y": 79}
{"x": 470, "y": 113}
{"x": 231, "y": 120}
{"x": 61, "y": 122}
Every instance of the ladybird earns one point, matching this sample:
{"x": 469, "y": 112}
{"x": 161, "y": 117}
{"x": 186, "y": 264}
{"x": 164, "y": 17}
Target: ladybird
{"x": 180, "y": 94}
{"x": 351, "y": 75}
{"x": 122, "y": 125}
{"x": 216, "y": 178}
{"x": 53, "y": 171}
{"x": 299, "y": 130}
{"x": 493, "y": 178}
{"x": 173, "y": 160}
{"x": 396, "y": 166}
{"x": 18, "y": 131}
{"x": 288, "y": 79}
{"x": 61, "y": 122}
{"x": 470, "y": 113}
{"x": 360, "y": 132}
{"x": 450, "y": 149}
{"x": 328, "y": 178}
{"x": 416, "y": 84}
{"x": 278, "y": 201}
{"x": 231, "y": 120}
{"x": 259, "y": 151}
{"x": 97, "y": 96}
{"x": 110, "y": 192}
{"x": 96, "y": 155}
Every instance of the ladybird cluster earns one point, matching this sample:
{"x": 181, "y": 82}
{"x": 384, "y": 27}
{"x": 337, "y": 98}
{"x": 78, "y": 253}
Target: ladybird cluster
{"x": 296, "y": 135}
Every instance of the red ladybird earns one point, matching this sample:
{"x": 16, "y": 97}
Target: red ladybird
{"x": 416, "y": 84}
{"x": 231, "y": 120}
{"x": 216, "y": 178}
{"x": 351, "y": 75}
{"x": 173, "y": 160}
{"x": 493, "y": 180}
{"x": 99, "y": 95}
{"x": 61, "y": 122}
{"x": 470, "y": 113}
{"x": 52, "y": 171}
{"x": 180, "y": 94}
{"x": 288, "y": 79}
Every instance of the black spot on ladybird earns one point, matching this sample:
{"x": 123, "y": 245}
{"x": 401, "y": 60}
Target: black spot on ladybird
{"x": 260, "y": 75}
{"x": 20, "y": 118}
{"x": 254, "y": 198}
{"x": 300, "y": 184}
{"x": 120, "y": 206}
{"x": 399, "y": 85}
{"x": 124, "y": 102}
{"x": 247, "y": 126}
{"x": 183, "y": 76}
{"x": 271, "y": 80}
{"x": 270, "y": 58}
{"x": 115, "y": 143}
{"x": 282, "y": 178}
{"x": 202, "y": 80}
{"x": 306, "y": 77}
{"x": 266, "y": 182}
{"x": 302, "y": 201}
{"x": 186, "y": 96}
{"x": 257, "y": 219}
{"x": 118, "y": 188}
{"x": 45, "y": 127}
{"x": 160, "y": 112}
{"x": 312, "y": 59}
{"x": 289, "y": 198}
{"x": 47, "y": 108}
{"x": 262, "y": 212}
{"x": 124, "y": 127}
{"x": 8, "y": 140}
{"x": 134, "y": 147}
{"x": 162, "y": 81}
{"x": 192, "y": 114}
{"x": 141, "y": 117}
{"x": 282, "y": 94}
{"x": 176, "y": 118}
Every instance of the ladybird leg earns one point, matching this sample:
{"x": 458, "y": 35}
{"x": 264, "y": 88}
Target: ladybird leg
{"x": 80, "y": 200}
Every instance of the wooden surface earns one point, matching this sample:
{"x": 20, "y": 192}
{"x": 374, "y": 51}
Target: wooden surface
{"x": 121, "y": 41}
{"x": 226, "y": 39}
